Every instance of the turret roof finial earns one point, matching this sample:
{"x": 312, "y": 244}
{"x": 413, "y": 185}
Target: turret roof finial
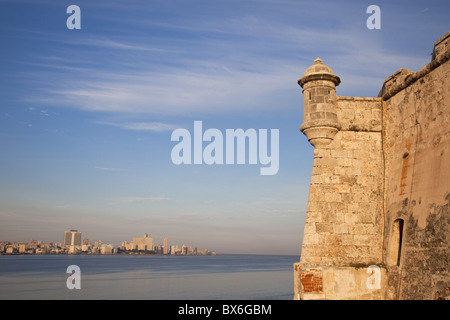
{"x": 319, "y": 71}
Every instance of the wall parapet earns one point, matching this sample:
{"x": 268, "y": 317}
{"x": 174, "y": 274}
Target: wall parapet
{"x": 403, "y": 78}
{"x": 359, "y": 114}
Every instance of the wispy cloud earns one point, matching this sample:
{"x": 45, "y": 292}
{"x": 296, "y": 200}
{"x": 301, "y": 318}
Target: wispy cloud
{"x": 213, "y": 65}
{"x": 142, "y": 126}
{"x": 238, "y": 74}
{"x": 212, "y": 90}
{"x": 107, "y": 169}
{"x": 113, "y": 44}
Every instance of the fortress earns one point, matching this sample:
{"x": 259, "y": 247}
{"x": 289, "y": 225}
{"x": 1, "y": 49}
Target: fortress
{"x": 377, "y": 220}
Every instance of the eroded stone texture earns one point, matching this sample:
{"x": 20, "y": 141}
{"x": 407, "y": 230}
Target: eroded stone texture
{"x": 417, "y": 176}
{"x": 380, "y": 186}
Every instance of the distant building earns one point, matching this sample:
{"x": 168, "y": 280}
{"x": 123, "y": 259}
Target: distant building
{"x": 72, "y": 238}
{"x": 22, "y": 247}
{"x": 107, "y": 249}
{"x": 32, "y": 244}
{"x": 143, "y": 243}
{"x": 95, "y": 249}
{"x": 86, "y": 248}
{"x": 158, "y": 248}
{"x": 130, "y": 246}
{"x": 166, "y": 246}
{"x": 11, "y": 250}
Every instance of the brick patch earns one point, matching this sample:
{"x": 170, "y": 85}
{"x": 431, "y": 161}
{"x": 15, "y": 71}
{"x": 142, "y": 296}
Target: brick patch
{"x": 312, "y": 281}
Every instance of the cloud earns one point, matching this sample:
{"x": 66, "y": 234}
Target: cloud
{"x": 208, "y": 89}
{"x": 212, "y": 64}
{"x": 113, "y": 44}
{"x": 142, "y": 126}
{"x": 107, "y": 169}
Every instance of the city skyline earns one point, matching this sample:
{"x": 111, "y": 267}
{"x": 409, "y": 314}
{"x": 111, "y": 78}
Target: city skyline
{"x": 86, "y": 115}
{"x": 74, "y": 243}
{"x": 73, "y": 237}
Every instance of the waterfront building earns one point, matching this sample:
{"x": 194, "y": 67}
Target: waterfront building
{"x": 72, "y": 238}
{"x": 166, "y": 246}
{"x": 143, "y": 243}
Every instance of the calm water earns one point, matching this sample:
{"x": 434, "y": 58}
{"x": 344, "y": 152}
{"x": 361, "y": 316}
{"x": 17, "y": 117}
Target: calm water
{"x": 149, "y": 277}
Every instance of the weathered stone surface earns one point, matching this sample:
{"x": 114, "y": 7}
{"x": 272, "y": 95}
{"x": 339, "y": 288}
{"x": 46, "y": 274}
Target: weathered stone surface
{"x": 380, "y": 186}
{"x": 417, "y": 134}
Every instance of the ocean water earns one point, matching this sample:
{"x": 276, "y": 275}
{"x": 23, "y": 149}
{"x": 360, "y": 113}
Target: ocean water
{"x": 149, "y": 277}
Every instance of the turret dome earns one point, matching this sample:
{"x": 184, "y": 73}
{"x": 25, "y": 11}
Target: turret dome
{"x": 319, "y": 71}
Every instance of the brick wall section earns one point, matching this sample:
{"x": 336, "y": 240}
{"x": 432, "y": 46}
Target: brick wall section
{"x": 312, "y": 281}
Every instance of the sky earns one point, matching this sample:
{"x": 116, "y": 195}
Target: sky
{"x": 86, "y": 115}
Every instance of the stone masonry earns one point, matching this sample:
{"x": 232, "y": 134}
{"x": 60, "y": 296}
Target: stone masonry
{"x": 377, "y": 222}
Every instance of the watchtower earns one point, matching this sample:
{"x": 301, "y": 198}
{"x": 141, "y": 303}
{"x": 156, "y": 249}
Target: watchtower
{"x": 320, "y": 123}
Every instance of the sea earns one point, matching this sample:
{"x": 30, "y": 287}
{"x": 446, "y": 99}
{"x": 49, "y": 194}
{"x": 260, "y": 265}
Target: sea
{"x": 148, "y": 277}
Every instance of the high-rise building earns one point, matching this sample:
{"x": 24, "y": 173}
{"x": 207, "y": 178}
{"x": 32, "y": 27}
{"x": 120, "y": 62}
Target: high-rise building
{"x": 166, "y": 246}
{"x": 143, "y": 243}
{"x": 158, "y": 249}
{"x": 72, "y": 238}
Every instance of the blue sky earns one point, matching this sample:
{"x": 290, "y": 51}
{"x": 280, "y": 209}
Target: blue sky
{"x": 86, "y": 115}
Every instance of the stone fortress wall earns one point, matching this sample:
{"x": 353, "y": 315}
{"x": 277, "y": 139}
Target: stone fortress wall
{"x": 377, "y": 223}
